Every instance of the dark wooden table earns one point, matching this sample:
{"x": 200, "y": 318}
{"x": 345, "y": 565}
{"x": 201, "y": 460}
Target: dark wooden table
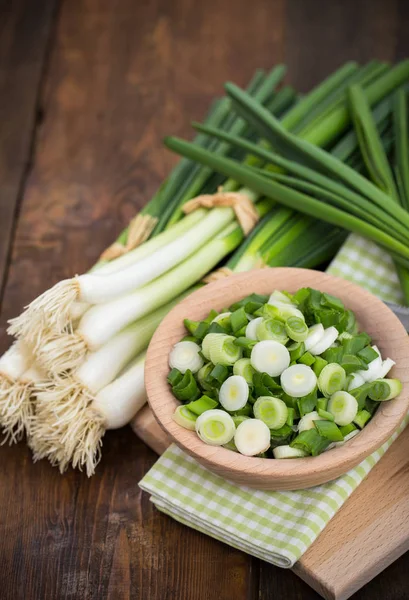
{"x": 88, "y": 89}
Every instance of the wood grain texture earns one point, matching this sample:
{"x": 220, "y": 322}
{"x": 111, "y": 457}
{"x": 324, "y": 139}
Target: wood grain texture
{"x": 373, "y": 317}
{"x": 147, "y": 429}
{"x": 24, "y": 34}
{"x": 367, "y": 541}
{"x": 119, "y": 76}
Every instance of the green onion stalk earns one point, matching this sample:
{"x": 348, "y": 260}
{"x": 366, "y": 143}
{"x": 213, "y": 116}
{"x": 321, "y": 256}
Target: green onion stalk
{"x": 320, "y": 185}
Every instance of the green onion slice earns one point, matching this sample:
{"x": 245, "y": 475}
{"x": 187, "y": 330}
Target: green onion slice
{"x": 331, "y": 379}
{"x": 272, "y": 411}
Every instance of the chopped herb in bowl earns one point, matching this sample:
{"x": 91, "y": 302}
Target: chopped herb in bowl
{"x": 284, "y": 376}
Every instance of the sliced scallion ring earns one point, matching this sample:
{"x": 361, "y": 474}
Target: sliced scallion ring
{"x": 278, "y": 296}
{"x": 184, "y": 356}
{"x": 344, "y": 407}
{"x": 270, "y": 357}
{"x": 307, "y": 421}
{"x": 252, "y": 437}
{"x": 223, "y": 350}
{"x": 272, "y": 329}
{"x": 243, "y": 367}
{"x": 315, "y": 334}
{"x": 356, "y": 381}
{"x": 296, "y": 329}
{"x": 215, "y": 427}
{"x": 331, "y": 379}
{"x": 288, "y": 452}
{"x": 374, "y": 367}
{"x": 234, "y": 393}
{"x": 387, "y": 365}
{"x": 223, "y": 319}
{"x": 272, "y": 411}
{"x": 329, "y": 337}
{"x": 185, "y": 418}
{"x": 298, "y": 380}
{"x": 348, "y": 437}
{"x": 385, "y": 389}
{"x": 206, "y": 343}
{"x": 251, "y": 329}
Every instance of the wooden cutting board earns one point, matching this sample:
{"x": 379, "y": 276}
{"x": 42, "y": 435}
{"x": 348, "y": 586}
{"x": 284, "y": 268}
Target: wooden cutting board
{"x": 368, "y": 533}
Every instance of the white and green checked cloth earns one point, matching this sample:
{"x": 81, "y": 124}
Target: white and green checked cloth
{"x": 275, "y": 526}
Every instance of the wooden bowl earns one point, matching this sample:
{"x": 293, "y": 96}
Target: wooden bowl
{"x": 269, "y": 474}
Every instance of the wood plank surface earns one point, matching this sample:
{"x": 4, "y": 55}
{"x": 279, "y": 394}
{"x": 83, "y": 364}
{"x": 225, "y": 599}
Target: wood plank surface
{"x": 24, "y": 34}
{"x": 117, "y": 77}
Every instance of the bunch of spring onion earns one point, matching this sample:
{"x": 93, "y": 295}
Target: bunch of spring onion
{"x": 314, "y": 181}
{"x": 78, "y": 319}
{"x": 52, "y": 329}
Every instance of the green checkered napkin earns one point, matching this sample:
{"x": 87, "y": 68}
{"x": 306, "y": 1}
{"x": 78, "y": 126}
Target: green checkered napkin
{"x": 275, "y": 526}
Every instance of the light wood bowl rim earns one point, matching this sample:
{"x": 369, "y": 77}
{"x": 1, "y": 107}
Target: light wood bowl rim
{"x": 270, "y": 473}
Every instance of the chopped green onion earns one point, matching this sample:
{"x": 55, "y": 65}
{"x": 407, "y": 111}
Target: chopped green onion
{"x": 307, "y": 421}
{"x": 203, "y": 374}
{"x": 206, "y": 343}
{"x": 319, "y": 364}
{"x": 201, "y": 405}
{"x": 331, "y": 379}
{"x": 329, "y": 337}
{"x": 264, "y": 385}
{"x": 322, "y": 403}
{"x": 246, "y": 411}
{"x": 343, "y": 406}
{"x": 385, "y": 389}
{"x": 219, "y": 373}
{"x": 271, "y": 329}
{"x": 296, "y": 329}
{"x": 311, "y": 442}
{"x": 280, "y": 452}
{"x": 362, "y": 418}
{"x": 251, "y": 329}
{"x": 367, "y": 354}
{"x": 174, "y": 376}
{"x": 315, "y": 334}
{"x": 271, "y": 357}
{"x": 222, "y": 350}
{"x": 186, "y": 388}
{"x": 238, "y": 319}
{"x": 347, "y": 429}
{"x": 296, "y": 350}
{"x": 324, "y": 414}
{"x": 272, "y": 411}
{"x": 329, "y": 430}
{"x": 237, "y": 419}
{"x": 307, "y": 403}
{"x": 307, "y": 359}
{"x": 356, "y": 343}
{"x": 252, "y": 437}
{"x": 245, "y": 342}
{"x": 243, "y": 367}
{"x": 290, "y": 416}
{"x": 223, "y": 319}
{"x": 185, "y": 355}
{"x": 215, "y": 427}
{"x": 298, "y": 380}
{"x": 351, "y": 364}
{"x": 185, "y": 418}
{"x": 234, "y": 393}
